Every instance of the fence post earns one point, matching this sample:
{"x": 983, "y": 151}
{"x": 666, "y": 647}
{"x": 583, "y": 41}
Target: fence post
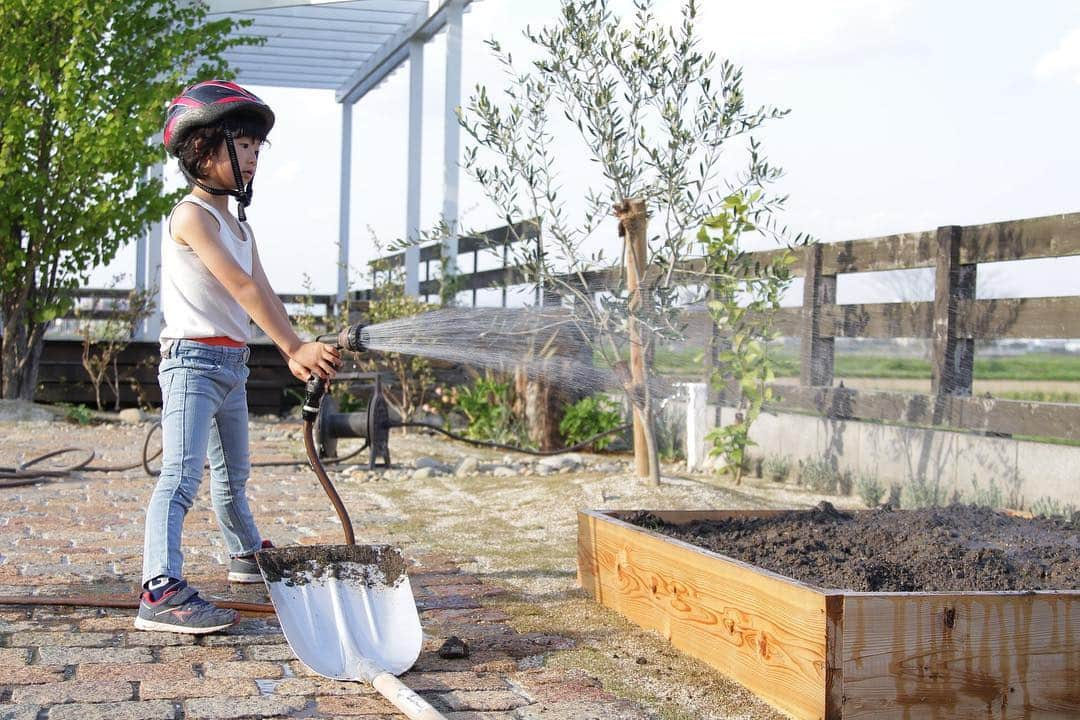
{"x": 953, "y": 357}
{"x": 817, "y": 348}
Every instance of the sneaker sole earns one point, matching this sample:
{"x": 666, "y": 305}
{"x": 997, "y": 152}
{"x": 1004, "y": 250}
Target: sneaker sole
{"x": 144, "y": 624}
{"x": 242, "y": 577}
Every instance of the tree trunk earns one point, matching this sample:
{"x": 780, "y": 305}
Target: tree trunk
{"x": 633, "y": 224}
{"x": 21, "y": 351}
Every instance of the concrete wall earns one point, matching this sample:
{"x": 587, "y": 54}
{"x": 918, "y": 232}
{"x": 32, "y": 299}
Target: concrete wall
{"x": 1023, "y": 472}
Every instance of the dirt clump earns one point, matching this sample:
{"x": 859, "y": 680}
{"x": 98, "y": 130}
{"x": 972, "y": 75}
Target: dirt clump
{"x": 954, "y": 548}
{"x": 369, "y": 565}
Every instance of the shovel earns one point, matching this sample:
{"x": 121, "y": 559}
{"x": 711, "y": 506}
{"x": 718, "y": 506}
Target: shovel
{"x": 347, "y": 611}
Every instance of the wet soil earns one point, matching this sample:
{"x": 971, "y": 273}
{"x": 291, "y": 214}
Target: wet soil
{"x": 956, "y": 548}
{"x": 368, "y": 565}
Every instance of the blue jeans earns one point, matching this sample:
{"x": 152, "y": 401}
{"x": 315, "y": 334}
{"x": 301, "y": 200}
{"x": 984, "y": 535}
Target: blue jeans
{"x": 203, "y": 408}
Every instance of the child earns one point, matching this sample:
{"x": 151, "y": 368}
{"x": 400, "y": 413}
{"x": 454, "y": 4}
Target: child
{"x": 211, "y": 283}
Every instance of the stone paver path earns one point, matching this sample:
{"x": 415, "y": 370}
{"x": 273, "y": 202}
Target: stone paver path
{"x": 84, "y": 537}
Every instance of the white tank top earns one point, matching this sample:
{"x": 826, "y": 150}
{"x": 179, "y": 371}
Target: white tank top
{"x": 194, "y": 303}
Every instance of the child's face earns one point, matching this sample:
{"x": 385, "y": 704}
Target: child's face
{"x": 220, "y": 171}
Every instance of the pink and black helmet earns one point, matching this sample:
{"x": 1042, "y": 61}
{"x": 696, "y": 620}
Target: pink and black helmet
{"x": 206, "y": 104}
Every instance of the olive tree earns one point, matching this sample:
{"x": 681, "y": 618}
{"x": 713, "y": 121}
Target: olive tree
{"x": 83, "y": 90}
{"x": 652, "y": 114}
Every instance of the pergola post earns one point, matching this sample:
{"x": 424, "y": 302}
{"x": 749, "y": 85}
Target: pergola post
{"x": 416, "y": 121}
{"x": 344, "y": 203}
{"x": 452, "y": 140}
{"x": 148, "y": 273}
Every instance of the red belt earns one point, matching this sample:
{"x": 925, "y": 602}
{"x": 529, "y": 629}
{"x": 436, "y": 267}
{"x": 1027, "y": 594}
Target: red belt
{"x": 220, "y": 340}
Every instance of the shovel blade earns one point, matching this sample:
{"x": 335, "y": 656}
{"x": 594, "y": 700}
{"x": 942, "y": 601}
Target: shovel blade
{"x": 343, "y": 607}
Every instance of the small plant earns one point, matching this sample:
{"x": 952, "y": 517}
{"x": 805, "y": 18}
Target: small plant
{"x": 104, "y": 339}
{"x": 990, "y": 496}
{"x": 870, "y": 489}
{"x": 77, "y": 414}
{"x": 777, "y": 467}
{"x": 1052, "y": 508}
{"x": 920, "y": 493}
{"x": 589, "y": 416}
{"x": 731, "y": 443}
{"x": 820, "y": 476}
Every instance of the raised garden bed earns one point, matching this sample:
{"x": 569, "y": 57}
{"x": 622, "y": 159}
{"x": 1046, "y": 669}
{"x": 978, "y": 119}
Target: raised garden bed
{"x": 818, "y": 652}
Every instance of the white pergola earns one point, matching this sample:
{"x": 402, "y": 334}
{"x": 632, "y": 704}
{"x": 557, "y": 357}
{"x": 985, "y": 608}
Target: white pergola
{"x": 350, "y": 47}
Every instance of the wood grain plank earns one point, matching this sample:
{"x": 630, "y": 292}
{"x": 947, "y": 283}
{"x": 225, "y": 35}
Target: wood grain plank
{"x": 763, "y": 630}
{"x": 962, "y": 655}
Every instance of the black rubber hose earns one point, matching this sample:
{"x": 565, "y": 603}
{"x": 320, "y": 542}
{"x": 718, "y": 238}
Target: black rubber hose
{"x": 324, "y": 480}
{"x": 484, "y": 443}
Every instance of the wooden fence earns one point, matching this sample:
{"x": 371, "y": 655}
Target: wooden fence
{"x": 954, "y": 321}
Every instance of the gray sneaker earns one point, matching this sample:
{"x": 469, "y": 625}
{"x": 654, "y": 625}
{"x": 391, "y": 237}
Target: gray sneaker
{"x": 244, "y": 569}
{"x": 181, "y": 610}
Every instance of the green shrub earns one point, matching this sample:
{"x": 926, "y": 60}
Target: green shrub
{"x": 77, "y": 414}
{"x": 820, "y": 476}
{"x": 589, "y": 416}
{"x": 870, "y": 489}
{"x": 777, "y": 467}
{"x": 488, "y": 410}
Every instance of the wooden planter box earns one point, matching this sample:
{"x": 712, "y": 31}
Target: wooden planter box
{"x": 825, "y": 653}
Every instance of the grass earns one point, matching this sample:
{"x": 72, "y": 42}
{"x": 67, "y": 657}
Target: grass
{"x": 1032, "y": 367}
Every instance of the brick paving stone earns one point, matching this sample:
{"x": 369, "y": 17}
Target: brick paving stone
{"x": 470, "y": 591}
{"x": 213, "y": 687}
{"x": 473, "y": 615}
{"x": 326, "y": 686}
{"x": 72, "y": 690}
{"x": 224, "y": 708}
{"x": 352, "y": 705}
{"x": 68, "y": 639}
{"x": 431, "y": 579}
{"x": 138, "y": 638}
{"x": 31, "y": 675}
{"x": 52, "y": 655}
{"x": 14, "y": 656}
{"x": 19, "y": 712}
{"x": 135, "y": 671}
{"x": 287, "y": 686}
{"x": 446, "y": 681}
{"x": 243, "y": 669}
{"x": 471, "y": 715}
{"x": 121, "y": 622}
{"x": 197, "y": 653}
{"x": 156, "y": 710}
{"x": 483, "y": 700}
{"x": 279, "y": 653}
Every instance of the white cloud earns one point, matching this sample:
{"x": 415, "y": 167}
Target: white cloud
{"x": 1063, "y": 59}
{"x": 786, "y": 30}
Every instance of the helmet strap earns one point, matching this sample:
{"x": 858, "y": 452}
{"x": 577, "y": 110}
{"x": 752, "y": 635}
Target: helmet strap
{"x": 242, "y": 194}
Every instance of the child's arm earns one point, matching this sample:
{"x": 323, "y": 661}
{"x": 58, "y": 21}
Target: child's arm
{"x": 259, "y": 274}
{"x": 195, "y": 227}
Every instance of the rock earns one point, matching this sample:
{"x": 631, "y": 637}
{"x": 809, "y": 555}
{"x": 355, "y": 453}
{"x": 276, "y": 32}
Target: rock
{"x": 132, "y": 416}
{"x": 570, "y": 461}
{"x": 424, "y": 473}
{"x": 504, "y": 471}
{"x": 608, "y": 468}
{"x": 22, "y": 411}
{"x": 467, "y": 466}
{"x": 426, "y": 462}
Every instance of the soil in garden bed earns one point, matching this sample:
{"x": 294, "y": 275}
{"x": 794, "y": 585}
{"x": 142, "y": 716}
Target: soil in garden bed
{"x": 955, "y": 548}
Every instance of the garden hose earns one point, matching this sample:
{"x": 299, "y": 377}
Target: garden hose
{"x": 20, "y": 475}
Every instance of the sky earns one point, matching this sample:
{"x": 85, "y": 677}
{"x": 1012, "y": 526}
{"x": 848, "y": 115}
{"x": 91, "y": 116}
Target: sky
{"x": 904, "y": 115}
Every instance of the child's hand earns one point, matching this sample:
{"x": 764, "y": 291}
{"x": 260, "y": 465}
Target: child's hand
{"x": 315, "y": 357}
{"x": 299, "y": 372}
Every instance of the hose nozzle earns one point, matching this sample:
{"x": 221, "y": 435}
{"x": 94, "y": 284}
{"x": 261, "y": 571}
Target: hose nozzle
{"x": 313, "y": 395}
{"x": 355, "y": 338}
